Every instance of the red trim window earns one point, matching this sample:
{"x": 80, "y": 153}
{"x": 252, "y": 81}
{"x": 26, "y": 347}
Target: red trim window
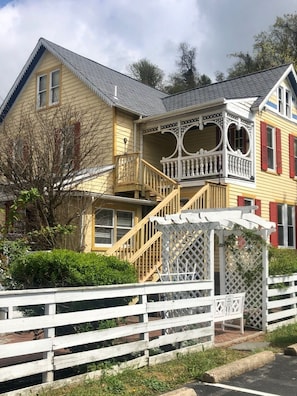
{"x": 271, "y": 151}
{"x": 243, "y": 201}
{"x": 284, "y": 217}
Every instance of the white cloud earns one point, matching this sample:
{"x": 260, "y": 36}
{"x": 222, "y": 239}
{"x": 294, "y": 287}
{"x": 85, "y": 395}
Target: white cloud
{"x": 117, "y": 33}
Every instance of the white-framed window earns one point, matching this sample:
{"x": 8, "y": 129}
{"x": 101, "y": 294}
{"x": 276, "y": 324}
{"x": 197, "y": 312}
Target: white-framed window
{"x": 41, "y": 90}
{"x": 54, "y": 87}
{"x": 286, "y": 225}
{"x": 48, "y": 89}
{"x": 284, "y": 101}
{"x": 271, "y": 148}
{"x": 111, "y": 225}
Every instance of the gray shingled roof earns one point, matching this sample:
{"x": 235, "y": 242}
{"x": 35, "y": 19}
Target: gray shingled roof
{"x": 132, "y": 95}
{"x": 139, "y": 98}
{"x": 257, "y": 85}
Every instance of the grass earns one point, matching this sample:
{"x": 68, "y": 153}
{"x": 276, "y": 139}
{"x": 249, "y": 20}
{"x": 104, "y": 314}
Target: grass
{"x": 161, "y": 378}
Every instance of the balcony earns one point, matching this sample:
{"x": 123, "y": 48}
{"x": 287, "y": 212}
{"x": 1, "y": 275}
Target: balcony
{"x": 206, "y": 164}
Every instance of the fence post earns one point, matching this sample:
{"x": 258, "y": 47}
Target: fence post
{"x": 144, "y": 319}
{"x": 265, "y": 286}
{"x": 49, "y": 309}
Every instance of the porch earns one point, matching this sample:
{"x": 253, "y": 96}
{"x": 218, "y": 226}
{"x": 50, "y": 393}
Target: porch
{"x": 215, "y": 145}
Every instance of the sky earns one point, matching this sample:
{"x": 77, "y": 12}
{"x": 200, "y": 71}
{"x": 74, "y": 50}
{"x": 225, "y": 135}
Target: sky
{"x": 117, "y": 33}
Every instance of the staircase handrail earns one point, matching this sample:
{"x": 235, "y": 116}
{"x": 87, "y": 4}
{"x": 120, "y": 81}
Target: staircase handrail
{"x": 156, "y": 180}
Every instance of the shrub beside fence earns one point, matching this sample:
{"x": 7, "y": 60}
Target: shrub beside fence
{"x": 134, "y": 335}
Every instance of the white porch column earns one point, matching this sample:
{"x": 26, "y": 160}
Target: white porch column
{"x": 222, "y": 262}
{"x": 224, "y": 149}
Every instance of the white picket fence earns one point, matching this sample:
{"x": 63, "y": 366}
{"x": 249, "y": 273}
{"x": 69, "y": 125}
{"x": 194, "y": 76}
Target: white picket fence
{"x": 281, "y": 301}
{"x": 142, "y": 327}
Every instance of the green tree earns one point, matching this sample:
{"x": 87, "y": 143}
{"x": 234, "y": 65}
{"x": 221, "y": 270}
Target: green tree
{"x": 45, "y": 153}
{"x": 187, "y": 76}
{"x": 274, "y": 47}
{"x": 147, "y": 73}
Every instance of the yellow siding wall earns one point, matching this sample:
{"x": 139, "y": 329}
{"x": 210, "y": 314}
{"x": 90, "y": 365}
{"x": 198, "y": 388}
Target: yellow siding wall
{"x": 270, "y": 187}
{"x": 124, "y": 130}
{"x": 101, "y": 185}
{"x": 75, "y": 93}
{"x": 113, "y": 126}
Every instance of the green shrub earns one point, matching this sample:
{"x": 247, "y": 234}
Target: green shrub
{"x": 62, "y": 268}
{"x": 66, "y": 268}
{"x": 282, "y": 261}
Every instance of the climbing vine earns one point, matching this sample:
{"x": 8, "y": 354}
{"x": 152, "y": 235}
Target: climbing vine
{"x": 243, "y": 245}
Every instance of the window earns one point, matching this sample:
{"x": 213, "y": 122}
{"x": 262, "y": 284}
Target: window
{"x": 293, "y": 155}
{"x": 271, "y": 155}
{"x": 54, "y": 87}
{"x": 270, "y": 147}
{"x": 238, "y": 139}
{"x": 243, "y": 201}
{"x": 48, "y": 89}
{"x": 41, "y": 90}
{"x": 111, "y": 225}
{"x": 284, "y": 217}
{"x": 284, "y": 101}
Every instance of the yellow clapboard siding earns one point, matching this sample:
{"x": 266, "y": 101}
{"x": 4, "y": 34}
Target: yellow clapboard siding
{"x": 270, "y": 187}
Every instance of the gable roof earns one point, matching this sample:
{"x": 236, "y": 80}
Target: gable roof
{"x": 124, "y": 92}
{"x": 131, "y": 95}
{"x": 259, "y": 85}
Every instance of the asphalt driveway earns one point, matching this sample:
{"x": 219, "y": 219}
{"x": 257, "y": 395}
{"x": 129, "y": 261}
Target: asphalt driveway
{"x": 276, "y": 378}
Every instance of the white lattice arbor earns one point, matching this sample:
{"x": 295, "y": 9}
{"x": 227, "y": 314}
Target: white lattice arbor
{"x": 188, "y": 252}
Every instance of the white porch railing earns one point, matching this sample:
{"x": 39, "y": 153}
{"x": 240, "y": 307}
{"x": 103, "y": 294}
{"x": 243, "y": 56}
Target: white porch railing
{"x": 239, "y": 166}
{"x": 281, "y": 301}
{"x": 207, "y": 164}
{"x": 140, "y": 328}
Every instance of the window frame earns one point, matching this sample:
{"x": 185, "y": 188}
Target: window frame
{"x": 53, "y": 88}
{"x": 284, "y": 101}
{"x": 283, "y": 224}
{"x": 276, "y": 148}
{"x": 48, "y": 92}
{"x": 113, "y": 227}
{"x": 41, "y": 92}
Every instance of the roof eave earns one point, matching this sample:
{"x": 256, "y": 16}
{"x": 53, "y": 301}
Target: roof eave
{"x": 183, "y": 110}
{"x": 260, "y": 107}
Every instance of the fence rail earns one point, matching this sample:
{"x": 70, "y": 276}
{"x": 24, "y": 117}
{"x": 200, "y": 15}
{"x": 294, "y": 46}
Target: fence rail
{"x": 281, "y": 301}
{"x": 136, "y": 332}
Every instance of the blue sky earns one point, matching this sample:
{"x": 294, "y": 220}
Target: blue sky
{"x": 117, "y": 33}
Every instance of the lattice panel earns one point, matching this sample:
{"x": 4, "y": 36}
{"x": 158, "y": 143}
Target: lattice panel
{"x": 186, "y": 253}
{"x": 243, "y": 273}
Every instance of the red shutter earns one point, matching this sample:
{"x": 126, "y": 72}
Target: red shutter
{"x": 273, "y": 217}
{"x": 258, "y": 203}
{"x": 278, "y": 151}
{"x": 264, "y": 154}
{"x": 57, "y": 151}
{"x": 76, "y": 159}
{"x": 291, "y": 155}
{"x": 240, "y": 200}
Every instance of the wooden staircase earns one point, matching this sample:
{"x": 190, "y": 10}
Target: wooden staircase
{"x": 141, "y": 246}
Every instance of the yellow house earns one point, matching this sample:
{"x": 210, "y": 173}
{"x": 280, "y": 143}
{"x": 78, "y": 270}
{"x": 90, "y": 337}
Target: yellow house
{"x": 231, "y": 143}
